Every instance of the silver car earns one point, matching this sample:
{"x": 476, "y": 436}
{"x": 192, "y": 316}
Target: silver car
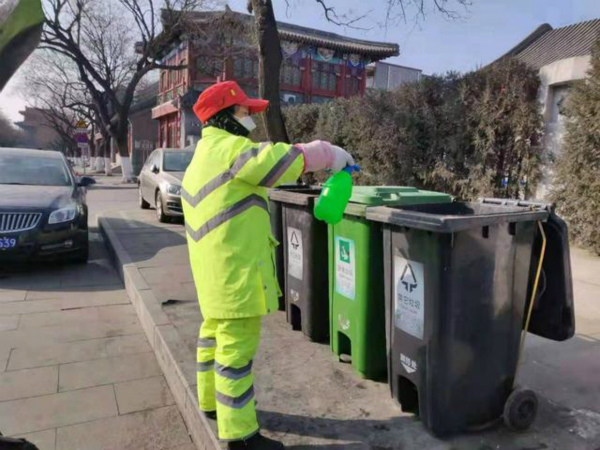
{"x": 159, "y": 182}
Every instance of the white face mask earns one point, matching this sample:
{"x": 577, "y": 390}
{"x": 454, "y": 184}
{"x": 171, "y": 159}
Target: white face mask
{"x": 247, "y": 122}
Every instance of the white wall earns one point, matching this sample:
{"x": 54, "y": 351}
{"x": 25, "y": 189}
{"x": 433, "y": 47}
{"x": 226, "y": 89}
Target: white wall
{"x": 557, "y": 79}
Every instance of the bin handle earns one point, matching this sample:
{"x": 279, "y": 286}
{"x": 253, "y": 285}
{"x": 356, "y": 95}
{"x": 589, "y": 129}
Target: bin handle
{"x": 533, "y": 295}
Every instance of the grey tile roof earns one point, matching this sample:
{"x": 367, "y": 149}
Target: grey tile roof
{"x": 546, "y": 45}
{"x": 313, "y": 36}
{"x": 296, "y": 33}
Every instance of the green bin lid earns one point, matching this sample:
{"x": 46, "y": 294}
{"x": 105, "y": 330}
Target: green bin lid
{"x": 396, "y": 195}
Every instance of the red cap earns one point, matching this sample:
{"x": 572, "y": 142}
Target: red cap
{"x": 223, "y": 95}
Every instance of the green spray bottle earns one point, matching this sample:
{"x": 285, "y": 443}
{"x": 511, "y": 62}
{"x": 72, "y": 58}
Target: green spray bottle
{"x": 334, "y": 198}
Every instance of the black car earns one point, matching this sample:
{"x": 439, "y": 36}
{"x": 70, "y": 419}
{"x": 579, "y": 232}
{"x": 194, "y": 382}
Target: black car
{"x": 43, "y": 212}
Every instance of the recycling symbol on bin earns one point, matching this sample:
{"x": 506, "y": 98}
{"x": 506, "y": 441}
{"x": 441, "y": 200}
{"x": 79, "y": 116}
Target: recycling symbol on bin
{"x": 408, "y": 279}
{"x": 345, "y": 251}
{"x": 294, "y": 241}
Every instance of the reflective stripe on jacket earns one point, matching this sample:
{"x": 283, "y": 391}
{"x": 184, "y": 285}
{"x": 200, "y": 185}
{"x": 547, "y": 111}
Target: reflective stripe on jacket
{"x": 225, "y": 204}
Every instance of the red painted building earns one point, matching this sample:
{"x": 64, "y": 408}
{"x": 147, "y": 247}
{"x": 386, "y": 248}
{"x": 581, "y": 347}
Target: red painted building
{"x": 318, "y": 66}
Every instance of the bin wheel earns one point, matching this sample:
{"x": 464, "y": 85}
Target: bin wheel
{"x": 520, "y": 409}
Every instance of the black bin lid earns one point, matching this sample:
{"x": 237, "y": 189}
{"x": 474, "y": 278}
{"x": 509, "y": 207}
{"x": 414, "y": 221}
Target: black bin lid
{"x": 452, "y": 217}
{"x": 553, "y": 314}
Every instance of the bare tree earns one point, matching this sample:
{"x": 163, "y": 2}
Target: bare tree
{"x": 50, "y": 82}
{"x": 100, "y": 37}
{"x": 269, "y": 43}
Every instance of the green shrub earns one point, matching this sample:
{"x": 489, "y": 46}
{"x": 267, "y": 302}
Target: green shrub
{"x": 473, "y": 135}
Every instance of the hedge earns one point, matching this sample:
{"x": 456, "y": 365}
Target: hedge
{"x": 472, "y": 135}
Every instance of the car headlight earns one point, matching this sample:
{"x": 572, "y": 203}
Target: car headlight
{"x": 173, "y": 189}
{"x": 63, "y": 215}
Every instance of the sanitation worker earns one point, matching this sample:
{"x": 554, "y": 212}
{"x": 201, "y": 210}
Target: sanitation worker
{"x": 225, "y": 203}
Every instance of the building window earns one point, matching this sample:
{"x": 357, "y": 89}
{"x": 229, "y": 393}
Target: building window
{"x": 291, "y": 75}
{"x": 245, "y": 68}
{"x": 182, "y": 71}
{"x": 163, "y": 80}
{"x": 251, "y": 91}
{"x": 209, "y": 67}
{"x": 248, "y": 68}
{"x": 324, "y": 77}
{"x": 238, "y": 68}
{"x": 173, "y": 135}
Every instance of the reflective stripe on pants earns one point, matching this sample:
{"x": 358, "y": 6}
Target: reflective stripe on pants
{"x": 205, "y": 373}
{"x": 225, "y": 379}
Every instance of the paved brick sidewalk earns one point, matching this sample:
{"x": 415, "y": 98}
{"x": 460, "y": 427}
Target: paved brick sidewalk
{"x": 76, "y": 369}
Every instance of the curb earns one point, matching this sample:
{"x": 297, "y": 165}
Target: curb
{"x": 165, "y": 341}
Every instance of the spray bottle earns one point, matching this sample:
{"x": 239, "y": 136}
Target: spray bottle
{"x": 334, "y": 198}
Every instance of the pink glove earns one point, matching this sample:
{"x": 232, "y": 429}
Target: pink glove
{"x": 317, "y": 156}
{"x": 321, "y": 155}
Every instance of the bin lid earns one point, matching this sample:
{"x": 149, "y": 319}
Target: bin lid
{"x": 303, "y": 195}
{"x": 452, "y": 217}
{"x": 553, "y": 314}
{"x": 395, "y": 195}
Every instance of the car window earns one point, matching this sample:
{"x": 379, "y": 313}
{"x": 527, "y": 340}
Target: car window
{"x": 34, "y": 171}
{"x": 177, "y": 161}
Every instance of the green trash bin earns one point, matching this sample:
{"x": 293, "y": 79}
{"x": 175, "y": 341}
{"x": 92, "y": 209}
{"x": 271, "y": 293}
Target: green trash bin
{"x": 356, "y": 277}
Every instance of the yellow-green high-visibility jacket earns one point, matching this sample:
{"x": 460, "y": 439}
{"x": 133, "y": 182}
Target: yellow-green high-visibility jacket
{"x": 226, "y": 209}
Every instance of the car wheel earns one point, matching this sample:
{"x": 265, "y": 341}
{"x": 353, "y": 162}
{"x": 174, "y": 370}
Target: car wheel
{"x": 143, "y": 203}
{"x": 160, "y": 212}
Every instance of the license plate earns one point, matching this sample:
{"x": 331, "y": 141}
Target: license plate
{"x": 7, "y": 243}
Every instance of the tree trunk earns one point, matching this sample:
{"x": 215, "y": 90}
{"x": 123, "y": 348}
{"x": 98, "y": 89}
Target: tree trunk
{"x": 106, "y": 148}
{"x": 99, "y": 167}
{"x": 121, "y": 137}
{"x": 93, "y": 150}
{"x": 269, "y": 64}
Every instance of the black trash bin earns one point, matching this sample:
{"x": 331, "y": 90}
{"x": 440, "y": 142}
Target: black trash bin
{"x": 457, "y": 280}
{"x": 306, "y": 277}
{"x": 277, "y": 230}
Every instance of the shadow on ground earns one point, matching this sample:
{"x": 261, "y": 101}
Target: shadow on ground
{"x": 57, "y": 276}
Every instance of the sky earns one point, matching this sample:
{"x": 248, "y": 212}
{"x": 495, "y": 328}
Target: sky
{"x": 486, "y": 31}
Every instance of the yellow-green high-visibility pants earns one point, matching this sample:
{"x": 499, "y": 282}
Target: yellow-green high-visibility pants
{"x": 226, "y": 348}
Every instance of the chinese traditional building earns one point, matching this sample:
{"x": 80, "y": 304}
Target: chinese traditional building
{"x": 317, "y": 67}
{"x": 39, "y": 133}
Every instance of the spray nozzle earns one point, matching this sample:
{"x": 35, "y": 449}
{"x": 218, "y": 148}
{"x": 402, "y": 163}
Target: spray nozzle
{"x": 350, "y": 169}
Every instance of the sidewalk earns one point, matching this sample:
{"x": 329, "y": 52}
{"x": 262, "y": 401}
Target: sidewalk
{"x": 309, "y": 400}
{"x": 76, "y": 369}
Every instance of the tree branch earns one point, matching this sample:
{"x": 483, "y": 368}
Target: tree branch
{"x": 332, "y": 16}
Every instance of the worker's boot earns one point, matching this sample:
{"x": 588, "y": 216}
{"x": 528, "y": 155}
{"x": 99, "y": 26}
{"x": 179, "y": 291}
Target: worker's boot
{"x": 256, "y": 442}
